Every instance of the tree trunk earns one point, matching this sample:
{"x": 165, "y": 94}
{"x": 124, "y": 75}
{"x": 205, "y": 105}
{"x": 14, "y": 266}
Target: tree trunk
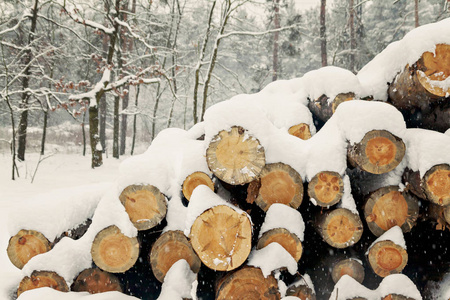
{"x": 103, "y": 109}
{"x": 234, "y": 157}
{"x": 323, "y": 108}
{"x": 222, "y": 238}
{"x": 96, "y": 149}
{"x": 302, "y": 131}
{"x": 416, "y": 13}
{"x": 135, "y": 120}
{"x": 326, "y": 188}
{"x": 340, "y": 227}
{"x": 94, "y": 280}
{"x": 352, "y": 36}
{"x": 44, "y": 132}
{"x": 170, "y": 247}
{"x": 286, "y": 239}
{"x": 323, "y": 35}
{"x": 114, "y": 252}
{"x": 280, "y": 183}
{"x": 386, "y": 257}
{"x": 40, "y": 279}
{"x": 145, "y": 204}
{"x": 388, "y": 207}
{"x": 193, "y": 180}
{"x": 25, "y": 245}
{"x": 378, "y": 152}
{"x": 276, "y": 34}
{"x": 123, "y": 126}
{"x": 83, "y": 129}
{"x": 247, "y": 282}
{"x": 116, "y": 127}
{"x": 350, "y": 267}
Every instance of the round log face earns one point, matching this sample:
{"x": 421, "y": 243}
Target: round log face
{"x": 280, "y": 183}
{"x": 194, "y": 180}
{"x": 437, "y": 184}
{"x": 286, "y": 239}
{"x": 170, "y": 247}
{"x": 221, "y": 237}
{"x": 114, "y": 252}
{"x": 302, "y": 291}
{"x": 40, "y": 279}
{"x": 386, "y": 257}
{"x": 235, "y": 157}
{"x": 340, "y": 98}
{"x": 341, "y": 228}
{"x": 248, "y": 283}
{"x": 95, "y": 281}
{"x": 434, "y": 68}
{"x": 326, "y": 188}
{"x": 348, "y": 267}
{"x": 388, "y": 207}
{"x": 145, "y": 205}
{"x": 301, "y": 131}
{"x": 25, "y": 245}
{"x": 380, "y": 152}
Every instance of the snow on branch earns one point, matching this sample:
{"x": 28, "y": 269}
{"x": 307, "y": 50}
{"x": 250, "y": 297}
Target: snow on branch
{"x": 255, "y": 32}
{"x": 133, "y": 34}
{"x": 24, "y": 16}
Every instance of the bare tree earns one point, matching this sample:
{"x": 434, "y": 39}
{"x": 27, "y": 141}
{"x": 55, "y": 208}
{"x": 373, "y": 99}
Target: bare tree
{"x": 323, "y": 35}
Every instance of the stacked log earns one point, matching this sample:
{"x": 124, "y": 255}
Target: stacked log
{"x": 39, "y": 279}
{"x": 94, "y": 280}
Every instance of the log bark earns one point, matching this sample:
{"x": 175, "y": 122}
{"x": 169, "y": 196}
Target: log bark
{"x": 247, "y": 283}
{"x": 222, "y": 237}
{"x": 235, "y": 157}
{"x": 25, "y": 245}
{"x": 114, "y": 252}
{"x": 280, "y": 183}
{"x": 302, "y": 131}
{"x": 350, "y": 267}
{"x": 194, "y": 180}
{"x": 94, "y": 280}
{"x": 340, "y": 228}
{"x": 419, "y": 85}
{"x": 286, "y": 239}
{"x": 326, "y": 188}
{"x": 433, "y": 186}
{"x": 39, "y": 279}
{"x": 168, "y": 249}
{"x": 323, "y": 108}
{"x": 386, "y": 257}
{"x": 378, "y": 152}
{"x": 301, "y": 291}
{"x": 388, "y": 207}
{"x": 145, "y": 204}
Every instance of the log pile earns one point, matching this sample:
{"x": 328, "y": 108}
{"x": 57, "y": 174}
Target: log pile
{"x": 261, "y": 199}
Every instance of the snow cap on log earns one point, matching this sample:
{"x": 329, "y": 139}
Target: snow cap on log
{"x": 395, "y": 235}
{"x": 283, "y": 216}
{"x": 382, "y": 69}
{"x": 348, "y": 288}
{"x": 398, "y": 284}
{"x": 179, "y": 283}
{"x": 347, "y": 200}
{"x": 271, "y": 258}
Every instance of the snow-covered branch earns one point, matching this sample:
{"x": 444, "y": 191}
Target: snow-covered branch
{"x": 256, "y": 33}
{"x": 24, "y": 16}
{"x": 133, "y": 34}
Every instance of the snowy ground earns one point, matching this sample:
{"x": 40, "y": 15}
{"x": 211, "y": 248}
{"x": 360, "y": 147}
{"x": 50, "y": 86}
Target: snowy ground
{"x": 58, "y": 171}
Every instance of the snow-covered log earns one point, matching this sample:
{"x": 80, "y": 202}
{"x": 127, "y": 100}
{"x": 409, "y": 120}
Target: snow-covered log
{"x": 194, "y": 180}
{"x": 94, "y": 280}
{"x": 25, "y": 245}
{"x": 39, "y": 279}
{"x": 302, "y": 131}
{"x": 170, "y": 247}
{"x": 390, "y": 206}
{"x": 302, "y": 288}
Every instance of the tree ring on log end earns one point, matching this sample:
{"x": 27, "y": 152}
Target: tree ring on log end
{"x": 286, "y": 239}
{"x": 350, "y": 267}
{"x": 40, "y": 279}
{"x": 301, "y": 131}
{"x": 170, "y": 247}
{"x": 114, "y": 252}
{"x": 193, "y": 180}
{"x": 247, "y": 283}
{"x": 280, "y": 183}
{"x": 433, "y": 68}
{"x": 235, "y": 157}
{"x": 341, "y": 228}
{"x": 388, "y": 207}
{"x": 25, "y": 245}
{"x": 145, "y": 204}
{"x": 94, "y": 280}
{"x": 340, "y": 98}
{"x": 386, "y": 257}
{"x": 221, "y": 237}
{"x": 326, "y": 188}
{"x": 436, "y": 184}
{"x": 380, "y": 152}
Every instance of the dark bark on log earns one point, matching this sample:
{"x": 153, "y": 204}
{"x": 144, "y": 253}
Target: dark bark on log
{"x": 323, "y": 109}
{"x": 95, "y": 281}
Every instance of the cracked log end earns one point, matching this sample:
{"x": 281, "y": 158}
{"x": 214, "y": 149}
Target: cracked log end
{"x": 326, "y": 188}
{"x": 386, "y": 257}
{"x": 25, "y": 245}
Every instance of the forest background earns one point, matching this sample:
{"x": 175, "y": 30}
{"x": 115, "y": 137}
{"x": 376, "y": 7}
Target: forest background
{"x": 104, "y": 77}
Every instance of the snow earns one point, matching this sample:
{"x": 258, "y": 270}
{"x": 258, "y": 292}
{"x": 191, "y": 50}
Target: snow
{"x": 178, "y": 282}
{"x": 51, "y": 294}
{"x": 304, "y": 280}
{"x": 347, "y": 288}
{"x": 381, "y": 70}
{"x": 282, "y": 216}
{"x": 347, "y": 200}
{"x": 398, "y": 284}
{"x": 425, "y": 149}
{"x": 271, "y": 258}
{"x": 395, "y": 234}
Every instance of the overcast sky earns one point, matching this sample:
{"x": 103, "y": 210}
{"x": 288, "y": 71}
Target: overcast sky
{"x": 305, "y": 4}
